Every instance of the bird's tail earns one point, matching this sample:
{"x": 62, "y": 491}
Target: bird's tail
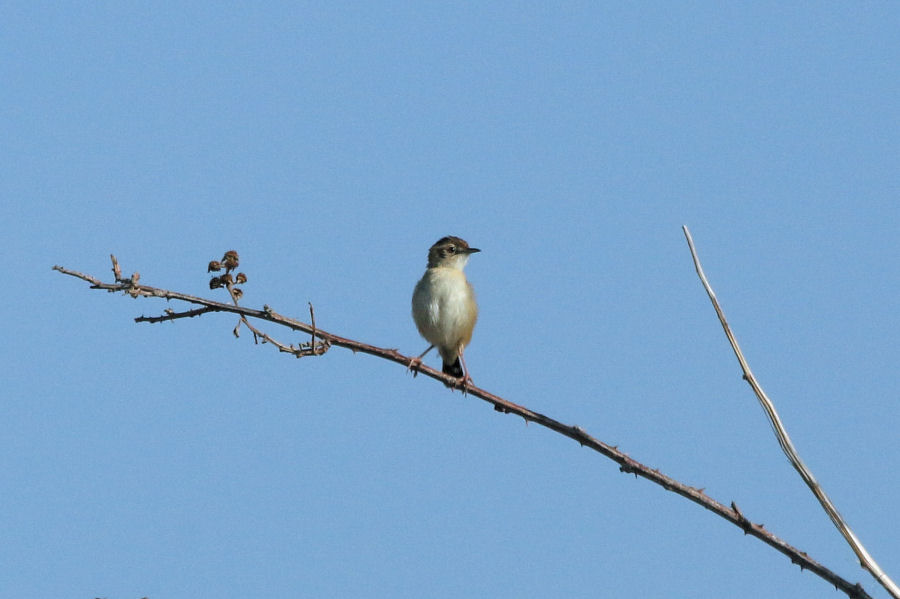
{"x": 454, "y": 369}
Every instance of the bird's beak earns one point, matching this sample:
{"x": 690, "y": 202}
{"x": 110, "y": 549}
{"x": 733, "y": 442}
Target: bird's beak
{"x": 472, "y": 250}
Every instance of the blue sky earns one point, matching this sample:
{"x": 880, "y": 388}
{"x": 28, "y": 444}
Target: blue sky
{"x": 331, "y": 144}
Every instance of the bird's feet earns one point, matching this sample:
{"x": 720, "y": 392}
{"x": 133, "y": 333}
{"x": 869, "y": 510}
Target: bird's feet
{"x": 464, "y": 383}
{"x": 414, "y": 365}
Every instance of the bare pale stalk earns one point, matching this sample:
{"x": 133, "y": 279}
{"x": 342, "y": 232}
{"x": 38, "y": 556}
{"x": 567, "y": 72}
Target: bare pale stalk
{"x": 866, "y": 560}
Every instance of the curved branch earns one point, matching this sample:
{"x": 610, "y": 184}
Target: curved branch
{"x": 626, "y": 463}
{"x": 866, "y": 560}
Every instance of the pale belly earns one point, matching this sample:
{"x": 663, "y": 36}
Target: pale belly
{"x": 444, "y": 310}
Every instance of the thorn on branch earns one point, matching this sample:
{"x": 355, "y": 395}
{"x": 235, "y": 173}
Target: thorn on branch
{"x": 743, "y": 522}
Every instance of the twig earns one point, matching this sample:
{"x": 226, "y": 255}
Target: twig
{"x": 299, "y": 352}
{"x": 866, "y": 560}
{"x": 172, "y": 315}
{"x": 117, "y": 272}
{"x": 576, "y": 433}
{"x": 312, "y": 321}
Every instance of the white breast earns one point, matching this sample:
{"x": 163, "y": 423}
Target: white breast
{"x": 444, "y": 309}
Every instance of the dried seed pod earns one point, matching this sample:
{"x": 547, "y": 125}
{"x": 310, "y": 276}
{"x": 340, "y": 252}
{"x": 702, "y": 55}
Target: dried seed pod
{"x": 230, "y": 260}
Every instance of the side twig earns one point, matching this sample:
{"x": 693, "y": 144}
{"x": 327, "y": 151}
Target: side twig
{"x": 173, "y": 315}
{"x": 866, "y": 560}
{"x": 626, "y": 463}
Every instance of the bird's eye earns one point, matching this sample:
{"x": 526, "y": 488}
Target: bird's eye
{"x": 451, "y": 249}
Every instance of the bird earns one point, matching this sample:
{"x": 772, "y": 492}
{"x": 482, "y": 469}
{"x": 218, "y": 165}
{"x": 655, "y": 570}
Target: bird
{"x": 444, "y": 307}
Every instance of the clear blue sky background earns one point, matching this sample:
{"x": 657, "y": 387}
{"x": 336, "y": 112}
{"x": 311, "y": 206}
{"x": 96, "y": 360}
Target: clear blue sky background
{"x": 331, "y": 144}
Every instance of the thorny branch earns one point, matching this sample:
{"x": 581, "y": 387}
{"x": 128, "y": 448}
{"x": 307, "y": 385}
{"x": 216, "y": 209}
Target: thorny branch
{"x": 322, "y": 340}
{"x": 865, "y": 560}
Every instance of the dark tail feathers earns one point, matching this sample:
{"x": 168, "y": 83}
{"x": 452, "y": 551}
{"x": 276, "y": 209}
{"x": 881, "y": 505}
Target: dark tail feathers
{"x": 454, "y": 369}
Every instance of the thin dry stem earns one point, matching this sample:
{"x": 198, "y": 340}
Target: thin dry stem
{"x": 172, "y": 315}
{"x": 866, "y": 560}
{"x": 576, "y": 433}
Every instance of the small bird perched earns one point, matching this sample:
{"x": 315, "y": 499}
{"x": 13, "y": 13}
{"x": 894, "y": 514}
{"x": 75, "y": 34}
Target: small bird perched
{"x": 443, "y": 305}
